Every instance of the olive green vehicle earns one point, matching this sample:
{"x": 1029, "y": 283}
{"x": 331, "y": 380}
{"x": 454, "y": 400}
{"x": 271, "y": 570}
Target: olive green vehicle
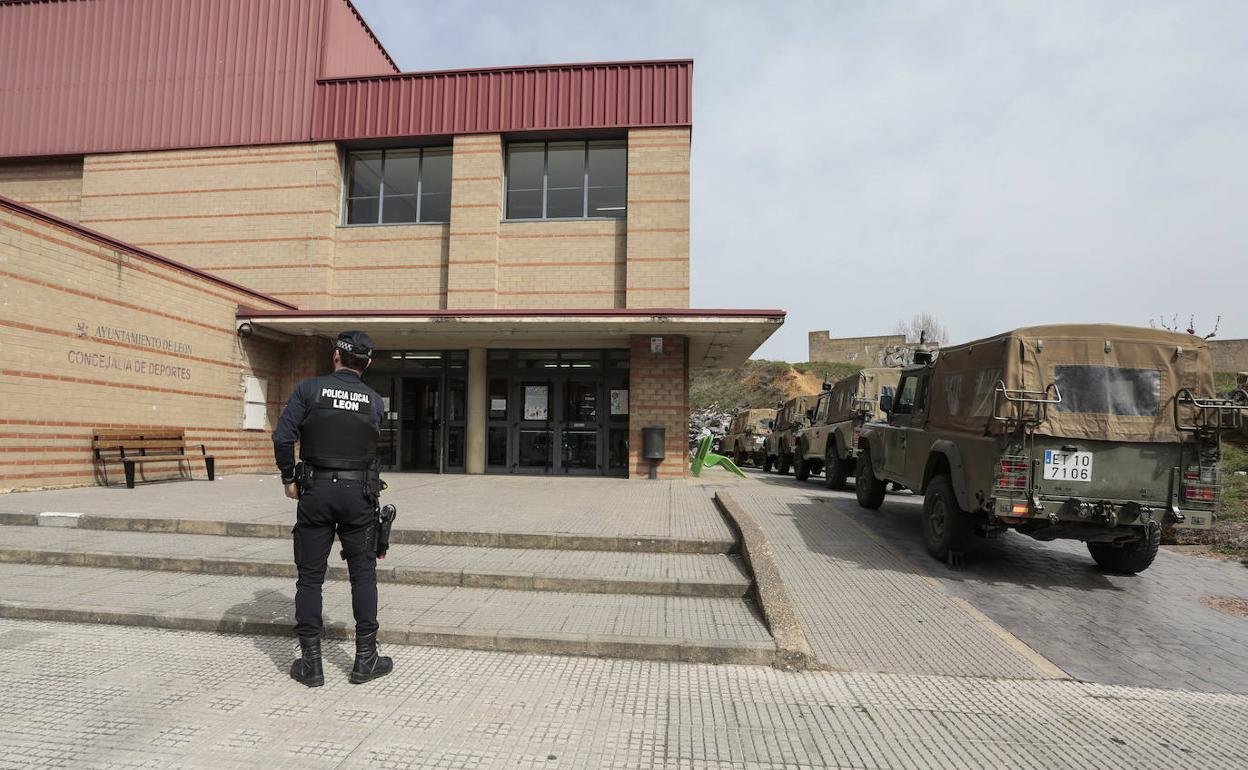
{"x": 781, "y": 444}
{"x": 746, "y": 436}
{"x": 830, "y": 444}
{"x": 1105, "y": 434}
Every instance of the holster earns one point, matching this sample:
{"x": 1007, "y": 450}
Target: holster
{"x": 385, "y": 518}
{"x": 303, "y": 477}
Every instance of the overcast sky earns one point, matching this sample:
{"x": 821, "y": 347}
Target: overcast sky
{"x": 996, "y": 164}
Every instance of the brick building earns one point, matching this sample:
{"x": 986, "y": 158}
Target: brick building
{"x": 185, "y": 227}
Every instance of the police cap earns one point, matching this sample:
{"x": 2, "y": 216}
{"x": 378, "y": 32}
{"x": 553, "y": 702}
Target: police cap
{"x": 356, "y": 343}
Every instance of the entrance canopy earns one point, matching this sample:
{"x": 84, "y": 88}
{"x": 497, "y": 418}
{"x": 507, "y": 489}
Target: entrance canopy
{"x": 716, "y": 338}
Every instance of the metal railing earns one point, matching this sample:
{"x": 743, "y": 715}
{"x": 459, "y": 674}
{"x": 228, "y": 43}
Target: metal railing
{"x": 1021, "y": 399}
{"x": 1212, "y": 415}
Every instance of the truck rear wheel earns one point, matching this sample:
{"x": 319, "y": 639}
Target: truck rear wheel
{"x": 738, "y": 457}
{"x": 767, "y": 464}
{"x": 835, "y": 470}
{"x": 801, "y": 468}
{"x": 1130, "y": 558}
{"x": 869, "y": 489}
{"x": 946, "y": 526}
{"x": 782, "y": 464}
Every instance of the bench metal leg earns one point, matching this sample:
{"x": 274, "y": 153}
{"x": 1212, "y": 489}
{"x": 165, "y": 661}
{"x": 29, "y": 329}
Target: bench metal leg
{"x": 129, "y": 473}
{"x": 210, "y": 463}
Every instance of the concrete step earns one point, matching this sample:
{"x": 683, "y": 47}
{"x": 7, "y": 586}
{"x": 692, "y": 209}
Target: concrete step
{"x": 677, "y": 628}
{"x": 674, "y": 574}
{"x": 400, "y": 535}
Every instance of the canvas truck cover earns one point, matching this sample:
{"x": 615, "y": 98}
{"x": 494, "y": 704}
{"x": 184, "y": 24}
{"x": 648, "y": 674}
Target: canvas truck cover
{"x": 754, "y": 420}
{"x": 796, "y": 407}
{"x": 1116, "y": 383}
{"x": 865, "y": 384}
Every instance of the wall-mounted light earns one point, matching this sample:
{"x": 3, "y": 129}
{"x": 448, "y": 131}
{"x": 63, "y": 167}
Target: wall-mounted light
{"x": 244, "y": 330}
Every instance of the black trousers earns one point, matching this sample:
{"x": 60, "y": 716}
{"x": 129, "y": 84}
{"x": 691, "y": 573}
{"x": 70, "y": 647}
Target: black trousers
{"x": 328, "y": 507}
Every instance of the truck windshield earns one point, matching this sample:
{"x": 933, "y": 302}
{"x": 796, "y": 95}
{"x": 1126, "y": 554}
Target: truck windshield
{"x": 1090, "y": 389}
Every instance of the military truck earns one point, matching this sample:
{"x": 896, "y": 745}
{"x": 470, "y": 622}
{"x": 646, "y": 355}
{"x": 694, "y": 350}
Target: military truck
{"x": 746, "y": 436}
{"x": 782, "y": 442}
{"x": 1100, "y": 433}
{"x": 830, "y": 443}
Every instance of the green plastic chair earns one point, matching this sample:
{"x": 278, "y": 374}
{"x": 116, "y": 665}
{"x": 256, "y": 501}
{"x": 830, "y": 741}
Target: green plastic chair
{"x": 703, "y": 457}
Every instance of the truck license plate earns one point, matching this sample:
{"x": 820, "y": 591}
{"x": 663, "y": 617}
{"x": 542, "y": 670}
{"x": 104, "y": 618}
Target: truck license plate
{"x": 1067, "y": 466}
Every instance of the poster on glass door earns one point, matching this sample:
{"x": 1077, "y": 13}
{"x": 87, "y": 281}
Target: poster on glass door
{"x": 536, "y": 402}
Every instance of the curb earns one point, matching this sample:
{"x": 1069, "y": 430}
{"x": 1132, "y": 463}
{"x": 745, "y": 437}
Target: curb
{"x": 527, "y": 540}
{"x": 793, "y": 652}
{"x": 516, "y": 581}
{"x": 584, "y": 645}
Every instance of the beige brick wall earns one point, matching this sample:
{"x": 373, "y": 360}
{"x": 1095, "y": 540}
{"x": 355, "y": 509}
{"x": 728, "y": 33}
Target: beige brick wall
{"x": 476, "y": 214}
{"x": 562, "y": 264}
{"x": 176, "y": 363}
{"x": 658, "y": 218}
{"x": 262, "y": 216}
{"x": 400, "y": 267}
{"x": 269, "y": 218}
{"x": 659, "y": 395}
{"x": 54, "y": 186}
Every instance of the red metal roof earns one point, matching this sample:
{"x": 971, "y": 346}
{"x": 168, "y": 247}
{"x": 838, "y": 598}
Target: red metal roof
{"x": 92, "y": 76}
{"x": 113, "y": 243}
{"x": 111, "y": 75}
{"x": 551, "y": 97}
{"x": 648, "y": 312}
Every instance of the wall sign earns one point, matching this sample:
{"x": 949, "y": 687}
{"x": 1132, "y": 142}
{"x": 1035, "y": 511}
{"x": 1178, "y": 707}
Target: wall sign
{"x": 619, "y": 401}
{"x": 536, "y": 405}
{"x": 656, "y": 345}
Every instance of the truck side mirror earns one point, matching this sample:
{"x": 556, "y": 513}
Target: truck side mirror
{"x": 886, "y": 402}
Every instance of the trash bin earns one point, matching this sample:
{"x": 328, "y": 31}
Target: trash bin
{"x": 654, "y": 447}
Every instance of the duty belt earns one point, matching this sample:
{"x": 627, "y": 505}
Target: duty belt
{"x": 334, "y": 473}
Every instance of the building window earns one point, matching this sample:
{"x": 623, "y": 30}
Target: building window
{"x": 566, "y": 180}
{"x": 391, "y": 187}
{"x": 255, "y": 403}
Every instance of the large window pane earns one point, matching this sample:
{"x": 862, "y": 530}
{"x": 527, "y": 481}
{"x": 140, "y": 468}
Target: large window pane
{"x": 399, "y": 186}
{"x": 525, "y": 167}
{"x": 365, "y": 175}
{"x": 402, "y": 172}
{"x": 608, "y": 172}
{"x": 565, "y": 180}
{"x": 361, "y": 211}
{"x": 398, "y": 209}
{"x": 435, "y": 193}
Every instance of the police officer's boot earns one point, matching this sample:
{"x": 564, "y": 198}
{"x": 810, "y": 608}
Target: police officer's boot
{"x": 308, "y": 670}
{"x": 368, "y": 664}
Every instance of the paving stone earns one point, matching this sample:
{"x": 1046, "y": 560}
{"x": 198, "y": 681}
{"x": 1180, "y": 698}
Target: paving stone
{"x": 1147, "y": 629}
{"x": 95, "y": 696}
{"x": 615, "y": 508}
{"x": 612, "y": 572}
{"x": 191, "y": 600}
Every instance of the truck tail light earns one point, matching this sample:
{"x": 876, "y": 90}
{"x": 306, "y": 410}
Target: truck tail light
{"x": 857, "y": 435}
{"x": 1012, "y": 474}
{"x": 1200, "y": 484}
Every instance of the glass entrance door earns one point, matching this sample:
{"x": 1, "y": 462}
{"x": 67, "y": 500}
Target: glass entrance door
{"x": 420, "y": 417}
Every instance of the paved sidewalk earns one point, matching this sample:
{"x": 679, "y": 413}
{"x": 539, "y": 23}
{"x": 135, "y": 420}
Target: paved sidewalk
{"x": 105, "y": 697}
{"x": 1148, "y": 629}
{"x": 865, "y": 609}
{"x": 579, "y": 506}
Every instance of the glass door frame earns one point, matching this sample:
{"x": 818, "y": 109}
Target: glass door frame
{"x": 391, "y": 368}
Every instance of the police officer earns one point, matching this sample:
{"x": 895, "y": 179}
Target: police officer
{"x": 337, "y": 421}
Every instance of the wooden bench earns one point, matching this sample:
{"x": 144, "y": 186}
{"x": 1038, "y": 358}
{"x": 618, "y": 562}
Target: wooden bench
{"x": 147, "y": 445}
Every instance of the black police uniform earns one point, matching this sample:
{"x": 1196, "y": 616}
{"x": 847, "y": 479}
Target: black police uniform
{"x": 337, "y": 421}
